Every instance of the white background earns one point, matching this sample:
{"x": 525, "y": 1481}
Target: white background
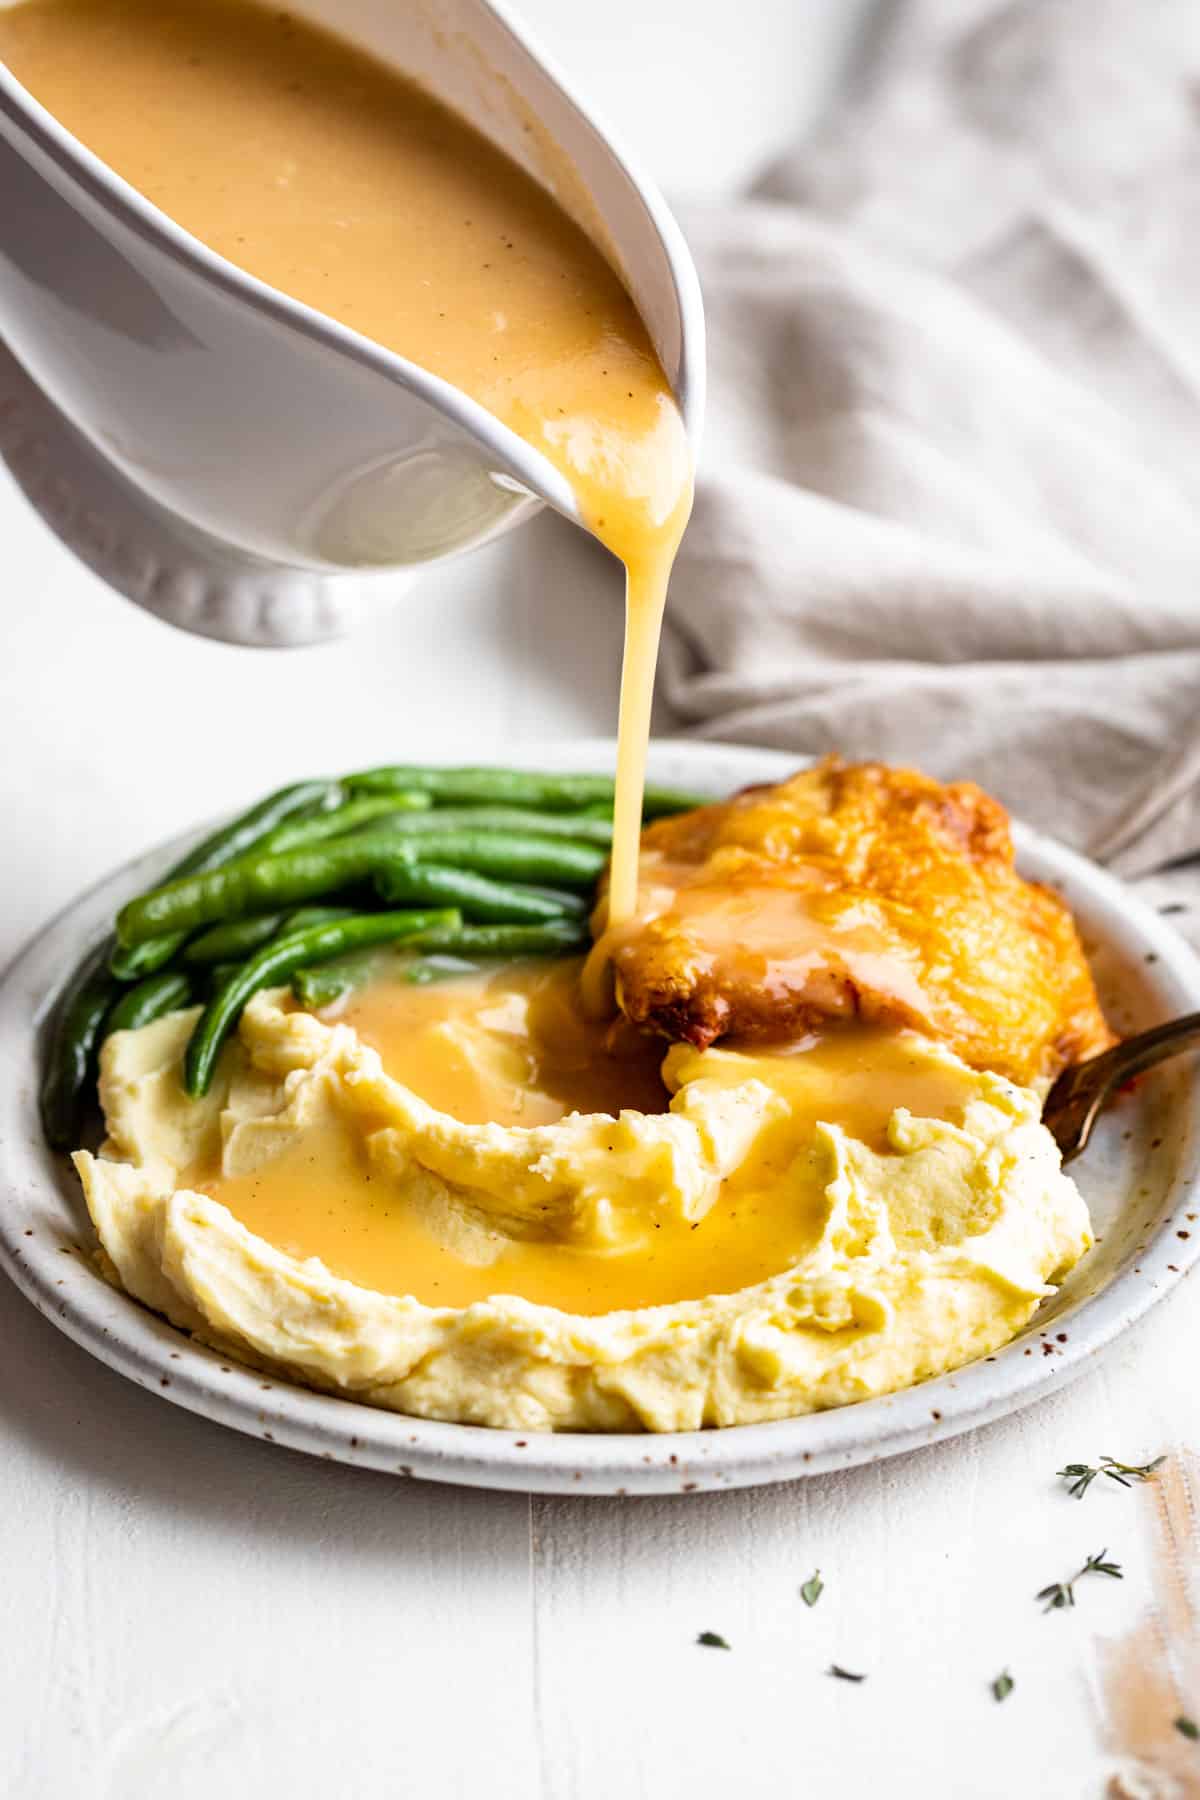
{"x": 186, "y": 1612}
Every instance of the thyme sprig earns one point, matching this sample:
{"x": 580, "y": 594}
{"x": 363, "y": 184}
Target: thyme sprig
{"x": 1080, "y": 1476}
{"x": 1062, "y": 1593}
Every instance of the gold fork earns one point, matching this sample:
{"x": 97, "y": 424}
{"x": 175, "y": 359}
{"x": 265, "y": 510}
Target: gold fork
{"x": 1078, "y": 1096}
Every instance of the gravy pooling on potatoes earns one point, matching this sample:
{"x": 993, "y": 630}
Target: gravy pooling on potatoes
{"x": 506, "y": 1046}
{"x": 330, "y": 177}
{"x": 509, "y": 1048}
{"x": 881, "y": 1269}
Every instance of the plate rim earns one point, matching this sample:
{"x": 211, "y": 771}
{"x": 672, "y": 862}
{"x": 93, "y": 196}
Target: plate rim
{"x": 64, "y": 1286}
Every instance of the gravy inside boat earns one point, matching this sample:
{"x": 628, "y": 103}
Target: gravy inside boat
{"x": 337, "y": 181}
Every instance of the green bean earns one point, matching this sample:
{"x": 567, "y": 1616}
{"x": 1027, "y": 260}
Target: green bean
{"x": 573, "y": 906}
{"x": 510, "y": 855}
{"x": 660, "y": 802}
{"x": 134, "y": 962}
{"x": 245, "y": 831}
{"x": 449, "y": 950}
{"x": 154, "y": 998}
{"x": 580, "y": 826}
{"x": 304, "y": 916}
{"x": 71, "y": 1053}
{"x": 425, "y": 884}
{"x": 131, "y": 962}
{"x": 257, "y": 884}
{"x": 235, "y": 939}
{"x": 425, "y": 970}
{"x": 558, "y": 937}
{"x": 321, "y": 985}
{"x": 238, "y": 938}
{"x": 275, "y": 962}
{"x": 543, "y": 791}
{"x": 366, "y": 810}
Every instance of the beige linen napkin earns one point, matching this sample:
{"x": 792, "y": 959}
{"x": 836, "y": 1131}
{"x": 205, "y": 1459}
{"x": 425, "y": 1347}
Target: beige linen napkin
{"x": 950, "y": 500}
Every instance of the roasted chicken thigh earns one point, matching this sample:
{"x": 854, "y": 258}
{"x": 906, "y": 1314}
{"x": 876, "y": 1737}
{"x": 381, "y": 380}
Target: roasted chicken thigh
{"x": 856, "y": 892}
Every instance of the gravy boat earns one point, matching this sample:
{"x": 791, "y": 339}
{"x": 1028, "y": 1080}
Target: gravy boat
{"x": 250, "y": 436}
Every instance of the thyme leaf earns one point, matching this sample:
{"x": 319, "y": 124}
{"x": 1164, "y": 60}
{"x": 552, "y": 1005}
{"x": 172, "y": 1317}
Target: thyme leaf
{"x": 813, "y": 1588}
{"x": 1096, "y": 1565}
{"x": 843, "y": 1674}
{"x": 1059, "y": 1593}
{"x": 712, "y": 1640}
{"x": 1003, "y": 1685}
{"x": 1080, "y": 1476}
{"x": 1186, "y": 1727}
{"x": 1062, "y": 1593}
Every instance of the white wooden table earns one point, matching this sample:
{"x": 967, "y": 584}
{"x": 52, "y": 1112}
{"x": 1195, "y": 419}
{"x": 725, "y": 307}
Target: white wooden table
{"x": 187, "y": 1612}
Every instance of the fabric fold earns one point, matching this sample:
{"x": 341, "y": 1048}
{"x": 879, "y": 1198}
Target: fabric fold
{"x": 949, "y": 508}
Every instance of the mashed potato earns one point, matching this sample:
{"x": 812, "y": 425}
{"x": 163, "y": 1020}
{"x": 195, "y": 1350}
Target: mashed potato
{"x": 775, "y": 1260}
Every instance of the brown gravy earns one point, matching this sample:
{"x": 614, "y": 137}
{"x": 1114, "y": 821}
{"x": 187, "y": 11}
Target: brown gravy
{"x": 510, "y": 1048}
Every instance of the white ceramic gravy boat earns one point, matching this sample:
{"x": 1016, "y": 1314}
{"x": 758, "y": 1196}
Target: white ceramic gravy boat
{"x": 270, "y": 436}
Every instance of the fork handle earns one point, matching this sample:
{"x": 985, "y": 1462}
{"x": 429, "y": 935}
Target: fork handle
{"x": 1149, "y": 1048}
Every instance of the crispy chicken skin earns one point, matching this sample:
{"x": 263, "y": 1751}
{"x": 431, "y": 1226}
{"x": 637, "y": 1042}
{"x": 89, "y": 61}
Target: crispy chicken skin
{"x": 856, "y": 892}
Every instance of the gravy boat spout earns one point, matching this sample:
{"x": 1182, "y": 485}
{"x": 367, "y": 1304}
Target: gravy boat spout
{"x": 260, "y": 427}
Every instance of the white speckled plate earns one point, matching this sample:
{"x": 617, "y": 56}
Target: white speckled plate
{"x": 1141, "y": 1179}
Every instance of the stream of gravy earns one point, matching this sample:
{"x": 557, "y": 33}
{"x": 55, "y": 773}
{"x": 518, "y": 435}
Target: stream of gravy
{"x": 335, "y": 180}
